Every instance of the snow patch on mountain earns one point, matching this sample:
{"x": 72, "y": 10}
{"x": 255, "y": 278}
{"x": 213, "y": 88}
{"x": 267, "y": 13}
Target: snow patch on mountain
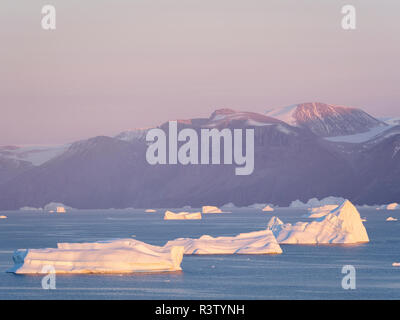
{"x": 361, "y": 137}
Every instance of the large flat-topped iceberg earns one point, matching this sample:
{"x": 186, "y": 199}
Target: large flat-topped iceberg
{"x": 115, "y": 256}
{"x": 342, "y": 225}
{"x": 169, "y": 215}
{"x": 258, "y": 242}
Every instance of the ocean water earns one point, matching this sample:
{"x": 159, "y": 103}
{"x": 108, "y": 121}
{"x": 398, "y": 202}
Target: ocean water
{"x": 301, "y": 272}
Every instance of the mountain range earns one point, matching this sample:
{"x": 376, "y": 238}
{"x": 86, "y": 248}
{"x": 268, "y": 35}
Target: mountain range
{"x": 301, "y": 151}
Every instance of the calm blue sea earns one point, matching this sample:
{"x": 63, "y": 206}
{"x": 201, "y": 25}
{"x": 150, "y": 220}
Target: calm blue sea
{"x": 301, "y": 272}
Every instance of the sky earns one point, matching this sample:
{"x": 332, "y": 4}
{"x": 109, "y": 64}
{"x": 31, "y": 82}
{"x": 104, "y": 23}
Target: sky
{"x": 114, "y": 65}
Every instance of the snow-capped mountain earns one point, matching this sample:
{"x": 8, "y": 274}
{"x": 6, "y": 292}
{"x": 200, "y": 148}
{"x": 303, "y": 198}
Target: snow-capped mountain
{"x": 293, "y": 160}
{"x": 327, "y": 120}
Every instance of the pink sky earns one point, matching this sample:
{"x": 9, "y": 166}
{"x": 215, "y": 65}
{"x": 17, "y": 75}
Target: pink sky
{"x": 115, "y": 65}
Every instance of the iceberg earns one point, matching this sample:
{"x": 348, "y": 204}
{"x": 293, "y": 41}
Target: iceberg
{"x": 169, "y": 215}
{"x": 391, "y": 219}
{"x": 211, "y": 209}
{"x": 314, "y": 202}
{"x": 257, "y": 205}
{"x": 30, "y": 209}
{"x": 114, "y": 256}
{"x": 393, "y": 206}
{"x": 342, "y": 225}
{"x": 229, "y": 205}
{"x": 257, "y": 242}
{"x": 396, "y": 264}
{"x": 3, "y": 217}
{"x": 150, "y": 210}
{"x": 55, "y": 207}
{"x": 319, "y": 212}
{"x": 268, "y": 208}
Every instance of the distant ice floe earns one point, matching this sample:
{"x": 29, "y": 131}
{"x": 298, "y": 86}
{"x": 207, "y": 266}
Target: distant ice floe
{"x": 396, "y": 264}
{"x": 257, "y": 242}
{"x": 391, "y": 219}
{"x": 268, "y": 208}
{"x": 319, "y": 212}
{"x": 257, "y": 206}
{"x": 115, "y": 256}
{"x": 150, "y": 210}
{"x": 211, "y": 209}
{"x": 30, "y": 209}
{"x": 228, "y": 206}
{"x": 314, "y": 202}
{"x": 169, "y": 215}
{"x": 3, "y": 217}
{"x": 393, "y": 206}
{"x": 342, "y": 225}
{"x": 56, "y": 207}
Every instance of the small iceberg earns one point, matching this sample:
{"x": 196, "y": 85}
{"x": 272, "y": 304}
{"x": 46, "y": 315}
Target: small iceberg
{"x": 169, "y": 215}
{"x": 56, "y": 207}
{"x": 257, "y": 206}
{"x": 30, "y": 209}
{"x": 3, "y": 217}
{"x": 268, "y": 208}
{"x": 314, "y": 202}
{"x": 211, "y": 209}
{"x": 393, "y": 206}
{"x": 229, "y": 206}
{"x": 342, "y": 225}
{"x": 115, "y": 256}
{"x": 396, "y": 264}
{"x": 257, "y": 242}
{"x": 319, "y": 212}
{"x": 391, "y": 219}
{"x": 150, "y": 210}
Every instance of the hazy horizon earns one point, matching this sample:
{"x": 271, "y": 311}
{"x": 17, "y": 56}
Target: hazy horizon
{"x": 114, "y": 66}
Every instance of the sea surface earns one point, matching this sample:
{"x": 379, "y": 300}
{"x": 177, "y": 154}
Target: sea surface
{"x": 301, "y": 272}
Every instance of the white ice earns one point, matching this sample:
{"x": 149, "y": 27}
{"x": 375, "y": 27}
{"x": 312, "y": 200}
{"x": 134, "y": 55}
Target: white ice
{"x": 169, "y": 215}
{"x": 393, "y": 206}
{"x": 211, "y": 209}
{"x": 114, "y": 256}
{"x": 342, "y": 225}
{"x": 268, "y": 208}
{"x": 319, "y": 212}
{"x": 257, "y": 242}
